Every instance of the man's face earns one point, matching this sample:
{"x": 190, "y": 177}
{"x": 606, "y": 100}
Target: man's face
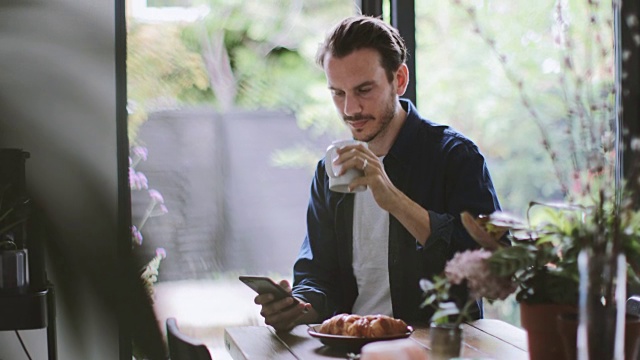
{"x": 362, "y": 93}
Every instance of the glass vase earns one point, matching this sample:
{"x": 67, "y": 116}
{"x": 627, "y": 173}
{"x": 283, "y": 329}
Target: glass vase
{"x": 601, "y": 305}
{"x": 445, "y": 341}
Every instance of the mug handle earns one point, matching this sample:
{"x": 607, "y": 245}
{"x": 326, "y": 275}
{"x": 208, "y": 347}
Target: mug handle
{"x": 328, "y": 161}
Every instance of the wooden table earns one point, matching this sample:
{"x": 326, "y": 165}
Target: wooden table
{"x": 489, "y": 339}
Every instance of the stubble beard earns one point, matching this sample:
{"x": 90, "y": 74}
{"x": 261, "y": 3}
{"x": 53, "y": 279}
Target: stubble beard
{"x": 387, "y": 116}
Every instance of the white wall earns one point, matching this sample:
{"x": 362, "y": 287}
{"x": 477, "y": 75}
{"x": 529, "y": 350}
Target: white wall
{"x": 57, "y": 101}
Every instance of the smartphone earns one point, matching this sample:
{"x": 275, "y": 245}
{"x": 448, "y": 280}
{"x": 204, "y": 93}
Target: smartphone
{"x": 264, "y": 285}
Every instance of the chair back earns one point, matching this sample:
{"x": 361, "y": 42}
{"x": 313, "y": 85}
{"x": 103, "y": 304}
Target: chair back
{"x": 182, "y": 347}
{"x": 633, "y": 305}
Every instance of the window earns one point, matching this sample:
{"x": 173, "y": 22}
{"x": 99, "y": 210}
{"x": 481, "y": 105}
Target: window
{"x": 228, "y": 115}
{"x": 224, "y": 94}
{"x": 513, "y": 75}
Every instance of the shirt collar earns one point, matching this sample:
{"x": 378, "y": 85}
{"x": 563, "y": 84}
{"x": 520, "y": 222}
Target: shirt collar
{"x": 404, "y": 147}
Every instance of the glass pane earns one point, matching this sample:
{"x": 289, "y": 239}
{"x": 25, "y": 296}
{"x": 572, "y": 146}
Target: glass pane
{"x": 521, "y": 79}
{"x": 228, "y": 115}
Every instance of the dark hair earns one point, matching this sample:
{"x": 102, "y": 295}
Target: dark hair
{"x": 360, "y": 32}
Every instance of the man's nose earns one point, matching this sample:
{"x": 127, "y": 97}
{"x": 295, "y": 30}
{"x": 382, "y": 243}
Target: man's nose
{"x": 351, "y": 106}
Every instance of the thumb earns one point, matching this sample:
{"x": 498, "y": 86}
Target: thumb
{"x": 285, "y": 285}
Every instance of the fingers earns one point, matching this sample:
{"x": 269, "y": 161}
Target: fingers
{"x": 286, "y": 317}
{"x": 307, "y": 308}
{"x": 263, "y": 299}
{"x": 362, "y": 163}
{"x": 347, "y": 152}
{"x": 275, "y": 307}
{"x": 355, "y": 157}
{"x": 348, "y": 148}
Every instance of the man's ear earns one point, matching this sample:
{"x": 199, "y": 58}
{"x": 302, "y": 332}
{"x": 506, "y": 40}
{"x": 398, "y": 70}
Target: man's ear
{"x": 402, "y": 79}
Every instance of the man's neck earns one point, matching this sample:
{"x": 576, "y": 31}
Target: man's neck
{"x": 382, "y": 144}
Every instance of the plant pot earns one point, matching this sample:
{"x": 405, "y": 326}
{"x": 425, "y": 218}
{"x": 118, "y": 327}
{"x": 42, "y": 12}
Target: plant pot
{"x": 445, "y": 341}
{"x": 540, "y": 322}
{"x": 568, "y": 327}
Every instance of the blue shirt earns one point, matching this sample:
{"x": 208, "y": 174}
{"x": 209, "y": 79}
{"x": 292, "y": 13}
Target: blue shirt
{"x": 439, "y": 169}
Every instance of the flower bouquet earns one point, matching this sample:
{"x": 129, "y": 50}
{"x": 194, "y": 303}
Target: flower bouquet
{"x": 471, "y": 269}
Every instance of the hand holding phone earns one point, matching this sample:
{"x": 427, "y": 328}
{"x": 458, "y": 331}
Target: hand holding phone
{"x": 281, "y": 317}
{"x": 264, "y": 285}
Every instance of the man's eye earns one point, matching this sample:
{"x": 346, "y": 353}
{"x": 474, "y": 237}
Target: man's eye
{"x": 338, "y": 93}
{"x": 364, "y": 91}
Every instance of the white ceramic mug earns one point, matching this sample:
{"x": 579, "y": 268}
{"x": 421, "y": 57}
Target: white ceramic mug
{"x": 341, "y": 183}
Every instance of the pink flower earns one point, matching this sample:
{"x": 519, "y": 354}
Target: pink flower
{"x": 473, "y": 266}
{"x": 161, "y": 252}
{"x": 137, "y": 180}
{"x": 155, "y": 208}
{"x": 143, "y": 183}
{"x": 156, "y": 196}
{"x": 136, "y": 235}
{"x": 140, "y": 152}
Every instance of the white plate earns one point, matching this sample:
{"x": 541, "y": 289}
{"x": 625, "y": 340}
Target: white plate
{"x": 351, "y": 343}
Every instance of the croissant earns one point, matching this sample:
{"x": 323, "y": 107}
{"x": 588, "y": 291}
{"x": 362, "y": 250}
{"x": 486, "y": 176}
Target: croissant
{"x": 368, "y": 326}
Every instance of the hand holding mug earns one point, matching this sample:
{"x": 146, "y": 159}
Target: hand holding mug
{"x": 340, "y": 182}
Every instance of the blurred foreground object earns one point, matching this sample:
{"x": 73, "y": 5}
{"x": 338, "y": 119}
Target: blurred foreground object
{"x": 403, "y": 349}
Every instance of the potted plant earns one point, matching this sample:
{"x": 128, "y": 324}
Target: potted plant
{"x": 543, "y": 260}
{"x": 542, "y": 263}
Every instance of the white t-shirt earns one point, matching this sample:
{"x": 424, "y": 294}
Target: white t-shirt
{"x": 371, "y": 256}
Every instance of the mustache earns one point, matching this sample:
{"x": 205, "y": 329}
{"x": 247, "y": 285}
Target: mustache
{"x": 358, "y": 117}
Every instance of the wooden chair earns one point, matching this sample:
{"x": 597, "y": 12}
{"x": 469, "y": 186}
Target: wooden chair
{"x": 182, "y": 347}
{"x": 633, "y": 305}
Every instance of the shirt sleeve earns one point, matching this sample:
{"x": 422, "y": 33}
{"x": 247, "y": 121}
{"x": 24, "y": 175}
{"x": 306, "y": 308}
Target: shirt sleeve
{"x": 316, "y": 268}
{"x": 469, "y": 188}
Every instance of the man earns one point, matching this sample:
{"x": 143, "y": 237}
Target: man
{"x": 365, "y": 252}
